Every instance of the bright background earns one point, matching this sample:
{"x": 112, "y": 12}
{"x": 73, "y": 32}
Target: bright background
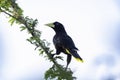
{"x": 94, "y": 26}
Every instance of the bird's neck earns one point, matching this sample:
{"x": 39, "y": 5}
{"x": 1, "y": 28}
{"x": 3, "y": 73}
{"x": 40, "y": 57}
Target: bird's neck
{"x": 60, "y": 31}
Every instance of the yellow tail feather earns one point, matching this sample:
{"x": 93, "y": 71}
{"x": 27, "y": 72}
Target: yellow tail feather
{"x": 67, "y": 51}
{"x": 79, "y": 60}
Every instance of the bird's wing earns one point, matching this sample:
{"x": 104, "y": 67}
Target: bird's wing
{"x": 74, "y": 54}
{"x": 67, "y": 42}
{"x": 69, "y": 47}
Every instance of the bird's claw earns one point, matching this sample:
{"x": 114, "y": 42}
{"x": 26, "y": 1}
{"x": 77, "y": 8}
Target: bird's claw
{"x": 52, "y": 55}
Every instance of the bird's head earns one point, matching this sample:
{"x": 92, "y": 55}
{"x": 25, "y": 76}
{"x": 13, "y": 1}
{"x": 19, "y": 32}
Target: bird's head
{"x": 58, "y": 27}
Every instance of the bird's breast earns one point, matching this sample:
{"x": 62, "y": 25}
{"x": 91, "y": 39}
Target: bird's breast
{"x": 56, "y": 41}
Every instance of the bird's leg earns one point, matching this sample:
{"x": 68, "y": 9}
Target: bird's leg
{"x": 57, "y": 53}
{"x": 68, "y": 60}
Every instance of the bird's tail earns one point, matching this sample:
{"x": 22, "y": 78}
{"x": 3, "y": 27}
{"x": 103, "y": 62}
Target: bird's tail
{"x": 74, "y": 53}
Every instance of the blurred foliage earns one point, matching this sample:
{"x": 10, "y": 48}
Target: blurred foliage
{"x": 59, "y": 73}
{"x": 15, "y": 13}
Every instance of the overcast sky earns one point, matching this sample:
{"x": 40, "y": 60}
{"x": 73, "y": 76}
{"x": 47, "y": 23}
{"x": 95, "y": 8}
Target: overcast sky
{"x": 94, "y": 25}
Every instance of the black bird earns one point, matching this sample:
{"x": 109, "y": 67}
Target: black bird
{"x": 63, "y": 42}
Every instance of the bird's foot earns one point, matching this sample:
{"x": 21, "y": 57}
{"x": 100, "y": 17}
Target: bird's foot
{"x": 52, "y": 55}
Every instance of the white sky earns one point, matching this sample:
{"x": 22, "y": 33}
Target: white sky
{"x": 93, "y": 25}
